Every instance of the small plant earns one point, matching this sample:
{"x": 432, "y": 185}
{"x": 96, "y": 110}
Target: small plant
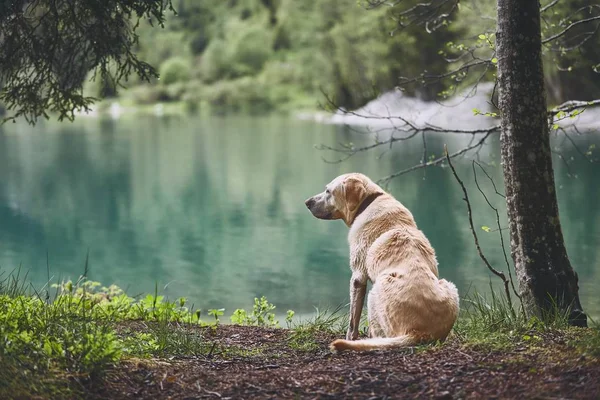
{"x": 140, "y": 344}
{"x": 262, "y": 314}
{"x": 216, "y": 313}
{"x": 288, "y": 318}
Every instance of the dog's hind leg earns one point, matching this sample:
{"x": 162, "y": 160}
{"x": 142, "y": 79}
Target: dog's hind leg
{"x": 375, "y": 329}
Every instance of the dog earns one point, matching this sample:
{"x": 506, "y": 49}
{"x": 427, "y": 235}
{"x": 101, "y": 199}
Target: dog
{"x": 408, "y": 304}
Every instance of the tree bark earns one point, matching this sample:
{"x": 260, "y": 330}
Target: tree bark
{"x": 546, "y": 278}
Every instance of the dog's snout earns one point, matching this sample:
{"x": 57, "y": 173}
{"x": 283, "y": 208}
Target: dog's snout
{"x": 310, "y": 202}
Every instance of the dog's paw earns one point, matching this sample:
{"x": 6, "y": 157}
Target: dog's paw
{"x": 337, "y": 346}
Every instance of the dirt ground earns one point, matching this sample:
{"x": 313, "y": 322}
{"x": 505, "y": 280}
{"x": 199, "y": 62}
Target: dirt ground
{"x": 271, "y": 369}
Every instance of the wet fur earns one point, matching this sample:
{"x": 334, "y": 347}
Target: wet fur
{"x": 408, "y": 303}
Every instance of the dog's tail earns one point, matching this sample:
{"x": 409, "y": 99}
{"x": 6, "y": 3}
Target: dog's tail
{"x": 374, "y": 343}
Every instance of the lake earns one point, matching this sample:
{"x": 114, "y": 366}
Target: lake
{"x": 213, "y": 208}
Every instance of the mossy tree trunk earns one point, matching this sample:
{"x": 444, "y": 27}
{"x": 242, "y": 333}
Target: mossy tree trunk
{"x": 545, "y": 275}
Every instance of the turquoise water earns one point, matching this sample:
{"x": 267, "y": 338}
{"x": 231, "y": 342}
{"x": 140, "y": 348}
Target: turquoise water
{"x": 213, "y": 209}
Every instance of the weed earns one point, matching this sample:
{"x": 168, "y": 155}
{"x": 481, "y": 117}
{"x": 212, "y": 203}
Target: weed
{"x": 262, "y": 314}
{"x": 289, "y": 317}
{"x": 216, "y": 313}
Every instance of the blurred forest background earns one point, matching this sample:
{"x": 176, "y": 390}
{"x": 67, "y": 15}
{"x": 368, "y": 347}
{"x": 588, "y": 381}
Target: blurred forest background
{"x": 259, "y": 56}
{"x": 134, "y": 191}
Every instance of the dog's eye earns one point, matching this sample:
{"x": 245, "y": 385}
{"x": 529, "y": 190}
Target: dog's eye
{"x": 327, "y": 191}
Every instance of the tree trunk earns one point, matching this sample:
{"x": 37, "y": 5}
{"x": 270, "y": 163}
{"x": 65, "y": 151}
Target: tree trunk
{"x": 546, "y": 278}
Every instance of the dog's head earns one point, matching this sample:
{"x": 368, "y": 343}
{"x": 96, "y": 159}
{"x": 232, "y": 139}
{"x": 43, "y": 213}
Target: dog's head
{"x": 342, "y": 197}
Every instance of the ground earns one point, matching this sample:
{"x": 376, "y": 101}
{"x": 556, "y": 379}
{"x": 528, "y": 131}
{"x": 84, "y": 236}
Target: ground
{"x": 264, "y": 363}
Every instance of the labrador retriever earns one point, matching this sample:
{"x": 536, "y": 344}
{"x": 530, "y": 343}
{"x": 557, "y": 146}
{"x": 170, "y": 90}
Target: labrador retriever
{"x": 408, "y": 303}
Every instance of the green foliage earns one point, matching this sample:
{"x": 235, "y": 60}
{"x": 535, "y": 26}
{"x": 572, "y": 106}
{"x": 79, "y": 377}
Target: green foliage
{"x": 65, "y": 331}
{"x": 216, "y": 313}
{"x": 140, "y": 344}
{"x": 250, "y": 48}
{"x": 242, "y": 95}
{"x": 289, "y": 317}
{"x": 48, "y": 48}
{"x": 214, "y": 65}
{"x": 261, "y": 315}
{"x": 256, "y": 56}
{"x": 78, "y": 332}
{"x": 174, "y": 69}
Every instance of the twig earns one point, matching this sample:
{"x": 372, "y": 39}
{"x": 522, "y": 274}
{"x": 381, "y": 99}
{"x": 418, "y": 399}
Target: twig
{"x": 437, "y": 161}
{"x": 207, "y": 391}
{"x": 491, "y": 180}
{"x": 499, "y": 274}
{"x": 512, "y": 283}
{"x": 572, "y": 106}
{"x": 548, "y": 6}
{"x": 568, "y": 28}
{"x": 565, "y": 162}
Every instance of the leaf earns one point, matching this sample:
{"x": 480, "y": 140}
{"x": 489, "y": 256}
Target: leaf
{"x": 494, "y": 60}
{"x": 486, "y": 228}
{"x": 482, "y": 37}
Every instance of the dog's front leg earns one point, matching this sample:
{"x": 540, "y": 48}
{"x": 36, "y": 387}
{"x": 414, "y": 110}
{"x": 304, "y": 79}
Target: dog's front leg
{"x": 358, "y": 289}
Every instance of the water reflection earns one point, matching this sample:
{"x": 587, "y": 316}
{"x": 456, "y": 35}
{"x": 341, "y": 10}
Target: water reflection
{"x": 213, "y": 209}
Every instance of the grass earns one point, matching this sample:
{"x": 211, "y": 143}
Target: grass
{"x": 304, "y": 333}
{"x": 62, "y": 338}
{"x": 82, "y": 328}
{"x": 489, "y": 322}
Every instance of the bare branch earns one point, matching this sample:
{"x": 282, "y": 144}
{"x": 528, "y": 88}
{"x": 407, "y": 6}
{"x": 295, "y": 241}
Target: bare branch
{"x": 512, "y": 283}
{"x": 572, "y": 105}
{"x": 439, "y": 160}
{"x": 426, "y": 79}
{"x": 490, "y": 179}
{"x": 499, "y": 274}
{"x": 577, "y": 149}
{"x": 569, "y": 27}
{"x": 431, "y": 14}
{"x": 565, "y": 162}
{"x": 351, "y": 150}
{"x": 549, "y": 6}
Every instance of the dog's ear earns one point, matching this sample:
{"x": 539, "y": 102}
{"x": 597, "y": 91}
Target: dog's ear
{"x": 355, "y": 193}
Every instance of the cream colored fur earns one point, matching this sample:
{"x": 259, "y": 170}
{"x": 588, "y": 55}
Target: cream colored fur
{"x": 408, "y": 303}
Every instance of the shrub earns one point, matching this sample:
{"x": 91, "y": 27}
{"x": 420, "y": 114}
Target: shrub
{"x": 249, "y": 50}
{"x": 261, "y": 315}
{"x": 175, "y": 69}
{"x": 214, "y": 64}
{"x": 248, "y": 95}
{"x": 147, "y": 94}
